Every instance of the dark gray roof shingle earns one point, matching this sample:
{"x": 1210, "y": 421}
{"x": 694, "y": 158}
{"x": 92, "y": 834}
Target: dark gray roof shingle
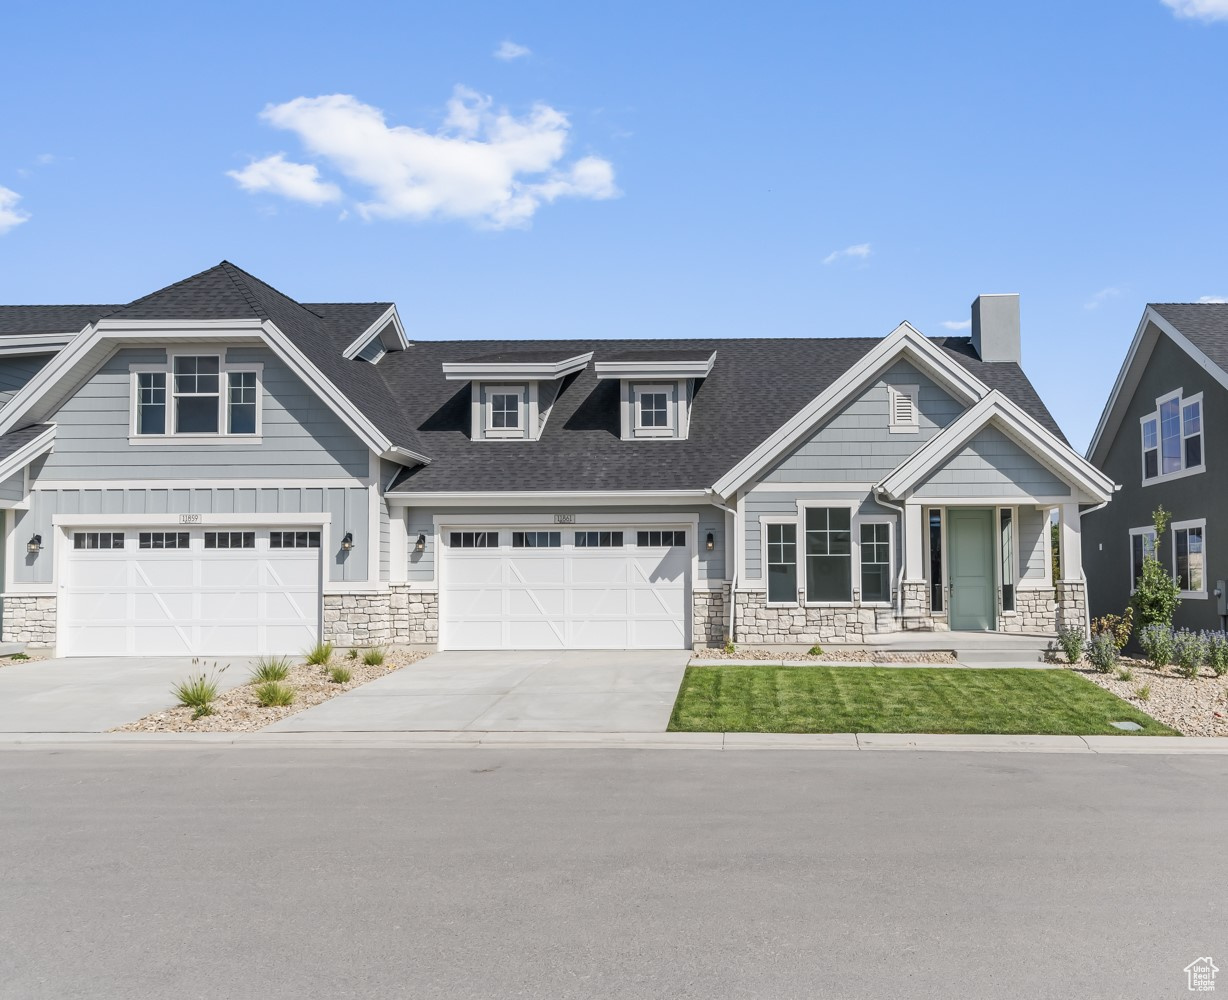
{"x": 1204, "y": 323}
{"x": 17, "y": 320}
{"x": 15, "y": 440}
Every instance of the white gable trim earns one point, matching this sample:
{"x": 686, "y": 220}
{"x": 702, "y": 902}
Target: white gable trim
{"x": 34, "y": 343}
{"x": 995, "y": 408}
{"x": 26, "y": 454}
{"x": 1128, "y": 377}
{"x": 903, "y": 342}
{"x": 399, "y": 341}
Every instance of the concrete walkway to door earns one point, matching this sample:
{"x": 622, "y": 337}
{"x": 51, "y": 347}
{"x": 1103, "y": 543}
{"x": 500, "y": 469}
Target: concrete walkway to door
{"x": 611, "y": 691}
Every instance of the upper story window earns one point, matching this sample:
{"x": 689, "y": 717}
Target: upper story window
{"x": 653, "y": 410}
{"x": 1172, "y": 438}
{"x": 196, "y": 395}
{"x": 505, "y": 411}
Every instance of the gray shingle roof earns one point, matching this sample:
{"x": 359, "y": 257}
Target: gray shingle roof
{"x": 660, "y": 354}
{"x": 529, "y": 356}
{"x": 14, "y": 440}
{"x": 1204, "y": 323}
{"x": 17, "y": 320}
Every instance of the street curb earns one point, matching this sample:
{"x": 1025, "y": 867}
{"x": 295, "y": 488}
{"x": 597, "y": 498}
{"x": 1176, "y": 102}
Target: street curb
{"x": 876, "y": 742}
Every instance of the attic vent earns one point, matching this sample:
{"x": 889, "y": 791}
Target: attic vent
{"x": 902, "y": 402}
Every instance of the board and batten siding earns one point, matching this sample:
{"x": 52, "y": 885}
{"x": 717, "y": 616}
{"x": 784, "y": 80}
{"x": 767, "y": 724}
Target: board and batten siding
{"x": 420, "y": 521}
{"x": 348, "y": 507}
{"x": 17, "y": 370}
{"x": 301, "y": 437}
{"x": 856, "y": 445}
{"x": 992, "y": 465}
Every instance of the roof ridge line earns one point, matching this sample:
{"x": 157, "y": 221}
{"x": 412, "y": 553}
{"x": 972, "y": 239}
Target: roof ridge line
{"x": 248, "y": 276}
{"x": 243, "y": 290}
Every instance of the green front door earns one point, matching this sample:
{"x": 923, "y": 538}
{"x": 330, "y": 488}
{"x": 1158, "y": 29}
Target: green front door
{"x": 970, "y": 541}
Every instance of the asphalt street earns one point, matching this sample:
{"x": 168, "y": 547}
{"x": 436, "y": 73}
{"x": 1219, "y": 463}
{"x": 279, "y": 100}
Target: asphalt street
{"x": 160, "y": 872}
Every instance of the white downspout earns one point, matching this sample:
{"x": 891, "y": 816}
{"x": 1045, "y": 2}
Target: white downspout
{"x": 733, "y": 584}
{"x": 899, "y": 580}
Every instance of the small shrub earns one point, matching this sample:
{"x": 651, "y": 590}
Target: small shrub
{"x": 1189, "y": 650}
{"x": 1143, "y": 692}
{"x": 1157, "y": 643}
{"x": 271, "y": 668}
{"x": 352, "y": 653}
{"x": 319, "y": 654}
{"x": 374, "y": 657}
{"x": 815, "y": 651}
{"x": 1102, "y": 652}
{"x": 730, "y": 649}
{"x": 199, "y": 691}
{"x": 1071, "y": 640}
{"x": 1217, "y": 652}
{"x": 1156, "y": 594}
{"x": 273, "y": 694}
{"x": 19, "y": 657}
{"x": 339, "y": 675}
{"x": 1118, "y": 626}
{"x": 1125, "y": 674}
{"x": 200, "y": 711}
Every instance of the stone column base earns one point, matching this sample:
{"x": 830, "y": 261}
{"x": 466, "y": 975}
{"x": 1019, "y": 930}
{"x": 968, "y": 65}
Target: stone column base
{"x": 415, "y": 616}
{"x": 710, "y": 616}
{"x": 29, "y": 618}
{"x": 1072, "y": 605}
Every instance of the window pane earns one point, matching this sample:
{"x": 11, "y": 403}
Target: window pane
{"x": 151, "y": 403}
{"x": 1151, "y": 464}
{"x": 196, "y": 415}
{"x": 829, "y": 578}
{"x": 1136, "y": 559}
{"x": 242, "y": 403}
{"x": 1149, "y": 434}
{"x": 1193, "y": 451}
{"x": 1191, "y": 419}
{"x": 936, "y": 560}
{"x": 782, "y": 563}
{"x": 1170, "y": 437}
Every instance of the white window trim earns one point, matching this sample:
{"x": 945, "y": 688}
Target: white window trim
{"x": 1182, "y": 402}
{"x": 798, "y": 565}
{"x": 1201, "y": 523}
{"x": 667, "y": 389}
{"x": 858, "y": 589}
{"x": 854, "y": 554}
{"x": 1147, "y": 529}
{"x": 911, "y": 392}
{"x": 223, "y": 435}
{"x": 521, "y": 430}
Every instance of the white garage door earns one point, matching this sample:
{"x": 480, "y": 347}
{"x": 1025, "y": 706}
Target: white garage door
{"x": 190, "y": 593}
{"x": 581, "y": 588}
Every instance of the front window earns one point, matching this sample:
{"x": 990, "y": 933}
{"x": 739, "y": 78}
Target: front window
{"x": 782, "y": 563}
{"x": 196, "y": 394}
{"x": 1142, "y": 546}
{"x": 1189, "y": 558}
{"x": 829, "y": 554}
{"x": 1172, "y": 438}
{"x": 876, "y": 563}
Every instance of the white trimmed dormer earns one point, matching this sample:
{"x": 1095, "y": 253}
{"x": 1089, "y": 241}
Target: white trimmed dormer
{"x": 656, "y": 388}
{"x": 512, "y": 393}
{"x": 384, "y": 335}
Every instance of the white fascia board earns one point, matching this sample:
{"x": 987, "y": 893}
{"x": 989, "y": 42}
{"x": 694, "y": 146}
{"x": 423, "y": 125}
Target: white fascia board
{"x": 388, "y": 319}
{"x": 404, "y": 456}
{"x": 34, "y": 343}
{"x": 540, "y": 498}
{"x": 1026, "y": 431}
{"x": 903, "y": 341}
{"x": 29, "y": 451}
{"x": 1128, "y": 377}
{"x": 478, "y": 371}
{"x": 655, "y": 369}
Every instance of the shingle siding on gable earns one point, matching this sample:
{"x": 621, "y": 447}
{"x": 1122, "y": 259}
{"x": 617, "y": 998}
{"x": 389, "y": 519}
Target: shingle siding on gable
{"x": 16, "y": 371}
{"x": 993, "y": 465}
{"x": 857, "y": 446}
{"x": 301, "y": 437}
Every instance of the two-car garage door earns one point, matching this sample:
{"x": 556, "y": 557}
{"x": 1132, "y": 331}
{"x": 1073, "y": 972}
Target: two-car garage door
{"x": 190, "y": 592}
{"x": 565, "y": 588}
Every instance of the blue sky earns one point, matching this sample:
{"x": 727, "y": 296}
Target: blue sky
{"x": 637, "y": 170}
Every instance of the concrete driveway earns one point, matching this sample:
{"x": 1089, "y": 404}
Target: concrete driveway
{"x": 91, "y": 694}
{"x": 594, "y": 692}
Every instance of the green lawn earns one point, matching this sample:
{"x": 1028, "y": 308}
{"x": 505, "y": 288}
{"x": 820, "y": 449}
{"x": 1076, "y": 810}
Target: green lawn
{"x": 899, "y": 700}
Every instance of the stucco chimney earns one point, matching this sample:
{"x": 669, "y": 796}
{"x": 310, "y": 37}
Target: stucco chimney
{"x": 995, "y": 328}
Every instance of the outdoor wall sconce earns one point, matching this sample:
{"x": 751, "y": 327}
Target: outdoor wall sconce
{"x": 347, "y": 542}
{"x": 420, "y": 544}
{"x": 711, "y": 541}
{"x": 35, "y": 544}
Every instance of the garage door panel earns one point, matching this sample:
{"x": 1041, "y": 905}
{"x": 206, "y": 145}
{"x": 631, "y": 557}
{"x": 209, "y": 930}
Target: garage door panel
{"x": 602, "y": 570}
{"x": 657, "y": 603}
{"x": 231, "y": 573}
{"x": 657, "y": 634}
{"x": 536, "y": 635}
{"x": 238, "y": 604}
{"x": 107, "y": 572}
{"x": 154, "y": 607}
{"x": 105, "y": 640}
{"x": 540, "y": 570}
{"x": 601, "y": 633}
{"x": 536, "y": 601}
{"x": 600, "y": 602}
{"x": 161, "y": 572}
{"x": 471, "y": 571}
{"x": 108, "y": 607}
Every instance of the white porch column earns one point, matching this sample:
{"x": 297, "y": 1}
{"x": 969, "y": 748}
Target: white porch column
{"x": 1072, "y": 542}
{"x": 914, "y": 542}
{"x": 398, "y": 544}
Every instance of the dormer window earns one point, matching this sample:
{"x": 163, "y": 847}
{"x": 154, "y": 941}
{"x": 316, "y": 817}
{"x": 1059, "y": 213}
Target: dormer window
{"x": 512, "y": 393}
{"x": 654, "y": 409}
{"x": 504, "y": 411}
{"x": 656, "y": 388}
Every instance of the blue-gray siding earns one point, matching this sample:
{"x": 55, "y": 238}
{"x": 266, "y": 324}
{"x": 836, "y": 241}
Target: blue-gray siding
{"x": 856, "y": 445}
{"x": 17, "y": 370}
{"x": 992, "y": 465}
{"x": 302, "y": 438}
{"x": 346, "y": 505}
{"x": 1033, "y": 544}
{"x": 13, "y": 488}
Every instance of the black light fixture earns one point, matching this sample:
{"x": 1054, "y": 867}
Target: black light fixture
{"x": 35, "y": 544}
{"x": 711, "y": 541}
{"x": 420, "y": 544}
{"x": 347, "y": 542}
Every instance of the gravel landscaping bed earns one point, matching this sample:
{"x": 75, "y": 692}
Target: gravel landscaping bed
{"x": 1193, "y": 707}
{"x": 236, "y": 710}
{"x": 750, "y": 654}
{"x": 8, "y": 661}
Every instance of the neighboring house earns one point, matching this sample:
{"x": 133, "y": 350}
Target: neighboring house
{"x": 216, "y": 469}
{"x": 1158, "y": 438}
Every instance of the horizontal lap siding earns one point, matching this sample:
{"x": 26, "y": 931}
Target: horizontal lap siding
{"x": 995, "y": 466}
{"x": 1033, "y": 541}
{"x": 302, "y": 438}
{"x": 16, "y": 371}
{"x": 13, "y": 489}
{"x": 856, "y": 445}
{"x": 347, "y": 505}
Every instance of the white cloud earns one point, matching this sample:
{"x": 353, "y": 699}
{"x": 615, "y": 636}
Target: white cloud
{"x": 509, "y": 50}
{"x": 483, "y": 164}
{"x": 962, "y": 324}
{"x": 10, "y": 215}
{"x": 1101, "y": 297}
{"x": 860, "y": 251}
{"x": 1214, "y": 299}
{"x": 277, "y": 175}
{"x": 1200, "y": 10}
